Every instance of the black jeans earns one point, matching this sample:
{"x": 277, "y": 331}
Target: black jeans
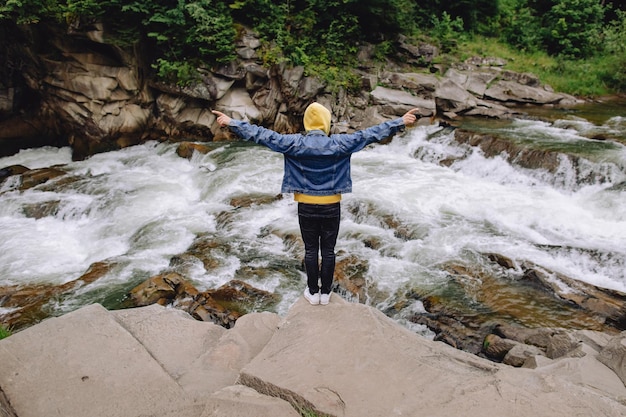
{"x": 319, "y": 225}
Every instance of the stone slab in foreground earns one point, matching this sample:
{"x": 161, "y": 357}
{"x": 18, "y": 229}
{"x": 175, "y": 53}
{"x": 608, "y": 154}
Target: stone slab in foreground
{"x": 84, "y": 364}
{"x": 142, "y": 362}
{"x": 351, "y": 360}
{"x": 342, "y": 359}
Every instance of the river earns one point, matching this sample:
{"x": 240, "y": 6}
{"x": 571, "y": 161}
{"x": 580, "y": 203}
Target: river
{"x": 142, "y": 205}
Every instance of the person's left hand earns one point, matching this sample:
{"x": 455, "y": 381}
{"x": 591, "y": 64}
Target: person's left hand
{"x": 409, "y": 117}
{"x": 222, "y": 119}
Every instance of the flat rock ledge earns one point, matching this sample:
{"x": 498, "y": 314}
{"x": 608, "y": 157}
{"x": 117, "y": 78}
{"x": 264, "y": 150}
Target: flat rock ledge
{"x": 342, "y": 359}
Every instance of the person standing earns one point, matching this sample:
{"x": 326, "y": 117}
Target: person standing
{"x": 317, "y": 172}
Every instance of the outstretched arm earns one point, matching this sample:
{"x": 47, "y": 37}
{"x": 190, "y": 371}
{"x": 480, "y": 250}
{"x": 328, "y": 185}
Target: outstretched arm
{"x": 409, "y": 117}
{"x": 222, "y": 119}
{"x": 354, "y": 142}
{"x": 258, "y": 134}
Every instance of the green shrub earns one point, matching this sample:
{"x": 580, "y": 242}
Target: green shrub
{"x": 335, "y": 78}
{"x": 447, "y": 31}
{"x": 4, "y": 332}
{"x": 186, "y": 30}
{"x": 30, "y": 11}
{"x": 181, "y": 73}
{"x": 614, "y": 41}
{"x": 572, "y": 27}
{"x": 522, "y": 29}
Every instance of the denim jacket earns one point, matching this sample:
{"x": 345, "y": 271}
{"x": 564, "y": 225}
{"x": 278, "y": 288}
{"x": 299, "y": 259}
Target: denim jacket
{"x": 316, "y": 164}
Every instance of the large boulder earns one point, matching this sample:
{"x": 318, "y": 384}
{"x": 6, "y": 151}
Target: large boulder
{"x": 511, "y": 91}
{"x": 451, "y": 97}
{"x": 240, "y": 105}
{"x": 613, "y": 355}
{"x": 84, "y": 364}
{"x": 329, "y": 359}
{"x": 397, "y": 102}
{"x": 342, "y": 359}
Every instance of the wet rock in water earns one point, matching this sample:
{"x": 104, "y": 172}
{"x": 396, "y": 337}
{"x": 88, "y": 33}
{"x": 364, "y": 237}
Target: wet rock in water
{"x": 12, "y": 170}
{"x": 222, "y": 306}
{"x": 161, "y": 289}
{"x": 28, "y": 304}
{"x": 29, "y": 178}
{"x": 254, "y": 200}
{"x": 608, "y": 305}
{"x": 187, "y": 149}
{"x": 478, "y": 300}
{"x": 539, "y": 337}
{"x": 516, "y": 154}
{"x": 205, "y": 249}
{"x": 41, "y": 210}
{"x": 522, "y": 346}
{"x": 349, "y": 278}
{"x": 205, "y": 308}
{"x": 39, "y": 176}
{"x": 513, "y": 344}
{"x": 364, "y": 211}
{"x": 243, "y": 297}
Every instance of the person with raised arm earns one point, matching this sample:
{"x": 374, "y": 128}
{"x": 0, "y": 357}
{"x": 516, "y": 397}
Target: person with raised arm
{"x": 317, "y": 172}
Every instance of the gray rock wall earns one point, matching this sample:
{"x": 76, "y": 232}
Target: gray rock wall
{"x": 96, "y": 97}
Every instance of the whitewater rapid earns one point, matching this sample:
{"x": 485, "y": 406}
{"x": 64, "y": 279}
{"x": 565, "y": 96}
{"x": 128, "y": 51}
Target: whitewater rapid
{"x": 142, "y": 205}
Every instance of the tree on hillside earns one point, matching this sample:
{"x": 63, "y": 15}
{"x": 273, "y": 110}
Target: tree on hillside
{"x": 572, "y": 27}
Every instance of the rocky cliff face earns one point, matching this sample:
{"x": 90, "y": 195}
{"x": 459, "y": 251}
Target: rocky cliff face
{"x": 76, "y": 88}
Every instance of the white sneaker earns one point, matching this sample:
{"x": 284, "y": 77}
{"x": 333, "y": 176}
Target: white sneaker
{"x": 312, "y": 298}
{"x": 324, "y": 299}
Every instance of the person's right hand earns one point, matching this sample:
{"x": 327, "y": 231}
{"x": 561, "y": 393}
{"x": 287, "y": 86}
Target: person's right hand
{"x": 409, "y": 117}
{"x": 222, "y": 119}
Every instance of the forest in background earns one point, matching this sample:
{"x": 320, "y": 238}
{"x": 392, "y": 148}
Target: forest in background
{"x": 577, "y": 46}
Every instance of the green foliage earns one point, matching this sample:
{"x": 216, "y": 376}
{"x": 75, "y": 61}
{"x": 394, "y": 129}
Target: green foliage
{"x": 186, "y": 29}
{"x": 383, "y": 49}
{"x": 447, "y": 31}
{"x": 567, "y": 28}
{"x": 182, "y": 35}
{"x": 323, "y": 31}
{"x": 335, "y": 78}
{"x": 179, "y": 36}
{"x": 521, "y": 28}
{"x": 176, "y": 72}
{"x": 307, "y": 412}
{"x": 92, "y": 8}
{"x": 614, "y": 57}
{"x": 572, "y": 27}
{"x": 29, "y": 11}
{"x": 4, "y": 332}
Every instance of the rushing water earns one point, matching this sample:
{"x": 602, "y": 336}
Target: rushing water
{"x": 142, "y": 205}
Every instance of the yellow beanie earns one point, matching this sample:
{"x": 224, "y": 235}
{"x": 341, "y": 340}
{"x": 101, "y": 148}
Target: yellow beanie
{"x": 317, "y": 117}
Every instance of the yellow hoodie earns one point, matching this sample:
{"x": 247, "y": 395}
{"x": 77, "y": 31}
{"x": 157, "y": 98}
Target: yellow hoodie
{"x": 317, "y": 117}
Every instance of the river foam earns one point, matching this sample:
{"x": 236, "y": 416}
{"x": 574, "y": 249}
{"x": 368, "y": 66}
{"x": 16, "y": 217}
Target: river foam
{"x": 140, "y": 206}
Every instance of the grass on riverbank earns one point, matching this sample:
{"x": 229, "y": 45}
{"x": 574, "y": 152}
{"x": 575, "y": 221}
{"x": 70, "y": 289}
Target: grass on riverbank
{"x": 578, "y": 77}
{"x": 4, "y": 332}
